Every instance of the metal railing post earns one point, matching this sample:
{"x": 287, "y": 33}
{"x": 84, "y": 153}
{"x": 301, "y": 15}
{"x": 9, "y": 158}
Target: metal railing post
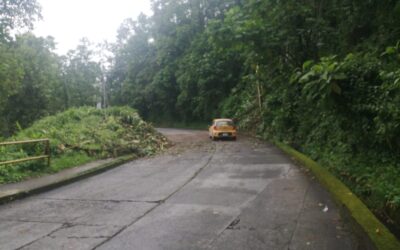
{"x": 48, "y": 152}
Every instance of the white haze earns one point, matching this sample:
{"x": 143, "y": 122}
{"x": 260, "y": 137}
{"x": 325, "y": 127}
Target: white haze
{"x": 98, "y": 20}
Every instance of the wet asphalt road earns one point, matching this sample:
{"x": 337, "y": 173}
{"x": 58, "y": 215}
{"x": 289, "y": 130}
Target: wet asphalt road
{"x": 198, "y": 195}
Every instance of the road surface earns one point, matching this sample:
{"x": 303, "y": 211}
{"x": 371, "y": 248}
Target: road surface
{"x": 197, "y": 195}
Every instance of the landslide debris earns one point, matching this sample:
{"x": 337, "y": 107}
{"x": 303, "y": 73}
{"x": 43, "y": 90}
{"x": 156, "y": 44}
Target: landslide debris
{"x": 80, "y": 135}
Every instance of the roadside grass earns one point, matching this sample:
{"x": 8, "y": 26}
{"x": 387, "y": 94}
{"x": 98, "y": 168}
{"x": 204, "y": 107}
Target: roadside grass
{"x": 15, "y": 173}
{"x": 70, "y": 159}
{"x": 78, "y": 136}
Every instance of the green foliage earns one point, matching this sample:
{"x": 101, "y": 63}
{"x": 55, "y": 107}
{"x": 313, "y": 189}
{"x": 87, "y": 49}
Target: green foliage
{"x": 70, "y": 159}
{"x": 17, "y": 14}
{"x": 29, "y": 80}
{"x": 80, "y": 135}
{"x": 80, "y": 78}
{"x": 345, "y": 115}
{"x": 167, "y": 66}
{"x": 35, "y": 82}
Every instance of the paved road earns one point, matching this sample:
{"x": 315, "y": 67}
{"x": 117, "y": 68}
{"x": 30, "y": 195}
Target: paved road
{"x": 198, "y": 195}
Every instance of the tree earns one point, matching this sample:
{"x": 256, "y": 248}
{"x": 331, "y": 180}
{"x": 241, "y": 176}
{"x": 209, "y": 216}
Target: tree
{"x": 13, "y": 14}
{"x": 34, "y": 87}
{"x": 17, "y": 14}
{"x": 81, "y": 76}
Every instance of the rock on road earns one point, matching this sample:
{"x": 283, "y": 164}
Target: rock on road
{"x": 197, "y": 195}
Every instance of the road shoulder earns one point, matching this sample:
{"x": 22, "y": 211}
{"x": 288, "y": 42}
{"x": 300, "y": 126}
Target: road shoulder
{"x": 369, "y": 228}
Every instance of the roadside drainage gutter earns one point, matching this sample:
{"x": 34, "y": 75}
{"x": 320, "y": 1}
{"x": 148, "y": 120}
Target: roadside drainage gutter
{"x": 372, "y": 233}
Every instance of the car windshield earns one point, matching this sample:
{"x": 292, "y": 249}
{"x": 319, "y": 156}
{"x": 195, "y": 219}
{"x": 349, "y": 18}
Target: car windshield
{"x": 224, "y": 123}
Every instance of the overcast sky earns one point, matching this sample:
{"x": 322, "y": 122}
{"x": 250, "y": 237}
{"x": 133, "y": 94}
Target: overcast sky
{"x": 98, "y": 20}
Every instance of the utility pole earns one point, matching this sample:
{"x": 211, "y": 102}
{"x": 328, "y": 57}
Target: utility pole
{"x": 258, "y": 86}
{"x": 104, "y": 61}
{"x": 104, "y": 87}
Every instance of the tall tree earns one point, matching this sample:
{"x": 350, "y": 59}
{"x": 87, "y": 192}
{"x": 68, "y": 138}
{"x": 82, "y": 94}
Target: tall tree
{"x": 17, "y": 14}
{"x": 82, "y": 76}
{"x": 34, "y": 88}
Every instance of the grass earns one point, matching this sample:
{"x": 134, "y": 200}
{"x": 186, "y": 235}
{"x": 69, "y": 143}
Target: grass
{"x": 70, "y": 159}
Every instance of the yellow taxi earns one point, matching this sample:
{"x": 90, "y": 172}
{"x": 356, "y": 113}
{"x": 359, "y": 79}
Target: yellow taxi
{"x": 222, "y": 128}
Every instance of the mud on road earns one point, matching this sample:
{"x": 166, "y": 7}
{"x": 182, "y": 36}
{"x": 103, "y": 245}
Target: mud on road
{"x": 182, "y": 140}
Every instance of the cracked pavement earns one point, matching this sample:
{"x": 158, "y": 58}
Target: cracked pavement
{"x": 197, "y": 195}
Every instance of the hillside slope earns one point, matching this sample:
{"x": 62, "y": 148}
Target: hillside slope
{"x": 78, "y": 136}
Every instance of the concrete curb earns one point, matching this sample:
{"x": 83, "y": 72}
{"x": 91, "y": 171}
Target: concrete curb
{"x": 368, "y": 227}
{"x": 19, "y": 193}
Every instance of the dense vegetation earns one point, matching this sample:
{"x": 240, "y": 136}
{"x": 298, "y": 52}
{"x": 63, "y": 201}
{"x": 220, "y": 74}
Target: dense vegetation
{"x": 34, "y": 81}
{"x": 80, "y": 135}
{"x": 322, "y": 76}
